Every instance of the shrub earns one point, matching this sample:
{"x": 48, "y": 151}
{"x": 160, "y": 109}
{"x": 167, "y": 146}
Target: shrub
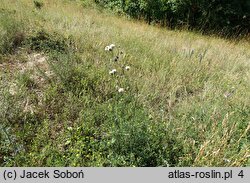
{"x": 48, "y": 42}
{"x": 223, "y": 16}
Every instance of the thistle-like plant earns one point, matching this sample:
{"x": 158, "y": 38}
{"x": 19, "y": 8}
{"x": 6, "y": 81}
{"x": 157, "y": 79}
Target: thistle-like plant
{"x": 117, "y": 67}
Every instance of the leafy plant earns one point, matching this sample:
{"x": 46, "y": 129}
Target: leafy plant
{"x": 38, "y": 4}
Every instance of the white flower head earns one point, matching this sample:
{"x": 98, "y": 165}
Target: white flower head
{"x": 121, "y": 90}
{"x": 112, "y": 46}
{"x": 107, "y": 48}
{"x": 127, "y": 68}
{"x": 113, "y": 71}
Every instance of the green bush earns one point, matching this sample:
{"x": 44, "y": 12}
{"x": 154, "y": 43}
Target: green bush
{"x": 223, "y": 16}
{"x": 47, "y": 42}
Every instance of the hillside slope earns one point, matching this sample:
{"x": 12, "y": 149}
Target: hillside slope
{"x": 176, "y": 98}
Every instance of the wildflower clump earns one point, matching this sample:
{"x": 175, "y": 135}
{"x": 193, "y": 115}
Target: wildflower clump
{"x": 117, "y": 67}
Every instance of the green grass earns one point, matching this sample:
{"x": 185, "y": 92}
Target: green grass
{"x": 186, "y": 99}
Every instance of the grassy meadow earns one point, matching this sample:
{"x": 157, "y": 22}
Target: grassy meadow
{"x": 176, "y": 98}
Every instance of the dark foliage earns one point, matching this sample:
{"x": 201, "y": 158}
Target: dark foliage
{"x": 222, "y": 16}
{"x": 38, "y": 4}
{"x": 43, "y": 41}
